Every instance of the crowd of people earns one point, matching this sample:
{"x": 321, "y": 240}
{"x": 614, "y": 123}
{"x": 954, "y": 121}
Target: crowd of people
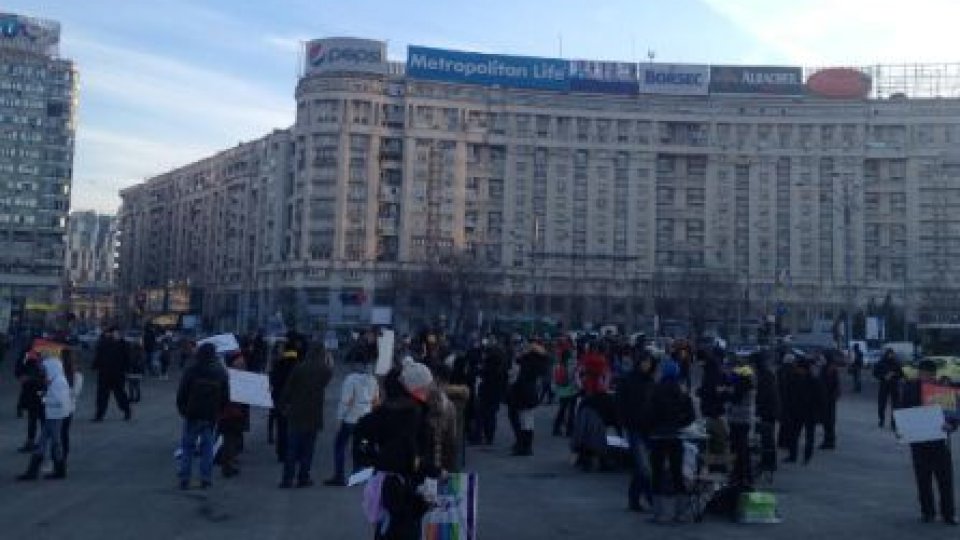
{"x": 413, "y": 421}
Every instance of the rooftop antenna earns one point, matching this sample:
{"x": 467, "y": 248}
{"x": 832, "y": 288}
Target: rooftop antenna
{"x": 560, "y": 44}
{"x": 651, "y": 54}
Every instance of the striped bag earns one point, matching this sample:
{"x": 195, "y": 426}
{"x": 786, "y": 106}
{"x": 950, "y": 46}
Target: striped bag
{"x": 455, "y": 515}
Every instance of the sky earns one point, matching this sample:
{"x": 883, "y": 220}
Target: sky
{"x": 166, "y": 83}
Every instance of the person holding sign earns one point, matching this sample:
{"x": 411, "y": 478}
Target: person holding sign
{"x": 931, "y": 459}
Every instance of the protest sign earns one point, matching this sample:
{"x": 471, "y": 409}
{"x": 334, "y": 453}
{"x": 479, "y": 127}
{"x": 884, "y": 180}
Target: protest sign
{"x": 920, "y": 424}
{"x": 223, "y": 342}
{"x": 46, "y": 348}
{"x": 944, "y": 396}
{"x": 385, "y": 352}
{"x": 454, "y": 517}
{"x": 250, "y": 388}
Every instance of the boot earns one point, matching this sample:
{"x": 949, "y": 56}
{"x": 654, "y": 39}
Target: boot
{"x": 59, "y": 471}
{"x": 33, "y": 469}
{"x": 525, "y": 446}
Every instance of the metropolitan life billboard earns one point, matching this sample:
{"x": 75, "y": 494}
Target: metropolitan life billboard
{"x": 487, "y": 69}
{"x": 757, "y": 80}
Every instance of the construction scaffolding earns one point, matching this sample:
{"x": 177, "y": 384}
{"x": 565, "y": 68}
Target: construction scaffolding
{"x": 913, "y": 81}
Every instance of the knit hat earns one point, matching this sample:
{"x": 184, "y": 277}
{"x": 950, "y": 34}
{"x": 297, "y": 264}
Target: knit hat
{"x": 416, "y": 379}
{"x": 669, "y": 371}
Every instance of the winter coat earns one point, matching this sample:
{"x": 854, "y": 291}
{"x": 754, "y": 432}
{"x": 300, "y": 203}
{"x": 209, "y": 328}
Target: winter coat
{"x": 303, "y": 394}
{"x": 803, "y": 400}
{"x": 402, "y": 438}
{"x": 768, "y": 395}
{"x": 31, "y": 382}
{"x": 525, "y": 392}
{"x": 357, "y": 395}
{"x": 57, "y": 400}
{"x": 633, "y": 397}
{"x": 112, "y": 359}
{"x": 670, "y": 410}
{"x": 280, "y": 373}
{"x": 594, "y": 373}
{"x": 830, "y": 381}
{"x": 888, "y": 370}
{"x": 492, "y": 378}
{"x": 201, "y": 370}
{"x": 712, "y": 397}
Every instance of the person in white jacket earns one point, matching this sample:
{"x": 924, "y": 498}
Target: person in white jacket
{"x": 358, "y": 395}
{"x": 57, "y": 405}
{"x": 75, "y": 379}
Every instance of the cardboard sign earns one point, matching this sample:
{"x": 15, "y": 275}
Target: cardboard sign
{"x": 920, "y": 424}
{"x": 250, "y": 388}
{"x": 385, "y": 349}
{"x": 224, "y": 342}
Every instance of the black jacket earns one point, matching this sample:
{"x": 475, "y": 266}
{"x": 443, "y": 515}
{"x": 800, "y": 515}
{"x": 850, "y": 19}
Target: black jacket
{"x": 712, "y": 398}
{"x": 768, "y": 394}
{"x": 525, "y": 391}
{"x": 402, "y": 438}
{"x": 670, "y": 409}
{"x": 888, "y": 371}
{"x": 804, "y": 398}
{"x": 492, "y": 377}
{"x": 212, "y": 370}
{"x": 633, "y": 398}
{"x": 112, "y": 359}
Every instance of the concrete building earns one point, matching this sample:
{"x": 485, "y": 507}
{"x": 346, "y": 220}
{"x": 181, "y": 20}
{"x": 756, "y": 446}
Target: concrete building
{"x": 91, "y": 265}
{"x": 595, "y": 191}
{"x": 37, "y": 123}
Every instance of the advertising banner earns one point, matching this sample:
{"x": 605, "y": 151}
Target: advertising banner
{"x": 346, "y": 54}
{"x": 25, "y": 33}
{"x": 674, "y": 79}
{"x": 603, "y": 77}
{"x": 758, "y": 80}
{"x": 487, "y": 69}
{"x": 839, "y": 83}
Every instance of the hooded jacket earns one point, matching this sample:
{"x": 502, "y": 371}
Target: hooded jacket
{"x": 57, "y": 401}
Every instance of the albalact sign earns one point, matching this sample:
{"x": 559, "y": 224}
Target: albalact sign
{"x": 761, "y": 80}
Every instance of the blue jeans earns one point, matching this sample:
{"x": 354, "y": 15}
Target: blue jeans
{"x": 340, "y": 448}
{"x": 640, "y": 484}
{"x": 193, "y": 430}
{"x": 300, "y": 446}
{"x": 50, "y": 433}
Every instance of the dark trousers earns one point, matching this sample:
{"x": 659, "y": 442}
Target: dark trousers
{"x": 932, "y": 461}
{"x": 889, "y": 393}
{"x": 768, "y": 445}
{"x": 33, "y": 423}
{"x": 666, "y": 462}
{"x": 230, "y": 450}
{"x": 65, "y": 435}
{"x": 740, "y": 448}
{"x": 513, "y": 415}
{"x": 855, "y": 373}
{"x": 830, "y": 423}
{"x": 640, "y": 483}
{"x": 299, "y": 459}
{"x": 486, "y": 420}
{"x": 564, "y": 416}
{"x": 282, "y": 436}
{"x": 809, "y": 428}
{"x": 104, "y": 389}
{"x": 344, "y": 435}
{"x": 546, "y": 390}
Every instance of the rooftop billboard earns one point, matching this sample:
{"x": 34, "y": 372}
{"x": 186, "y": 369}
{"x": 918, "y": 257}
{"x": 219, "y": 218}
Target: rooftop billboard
{"x": 346, "y": 54}
{"x": 757, "y": 80}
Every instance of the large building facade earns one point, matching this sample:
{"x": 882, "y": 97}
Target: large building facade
{"x": 585, "y": 191}
{"x": 37, "y": 123}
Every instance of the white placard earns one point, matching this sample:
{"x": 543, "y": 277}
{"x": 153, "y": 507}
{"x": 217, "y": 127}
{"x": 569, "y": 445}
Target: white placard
{"x": 920, "y": 424}
{"x": 250, "y": 388}
{"x": 223, "y": 342}
{"x": 360, "y": 477}
{"x": 614, "y": 441}
{"x": 385, "y": 352}
{"x": 381, "y": 315}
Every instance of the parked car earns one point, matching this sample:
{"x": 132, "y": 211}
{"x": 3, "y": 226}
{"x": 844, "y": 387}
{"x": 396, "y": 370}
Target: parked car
{"x": 948, "y": 370}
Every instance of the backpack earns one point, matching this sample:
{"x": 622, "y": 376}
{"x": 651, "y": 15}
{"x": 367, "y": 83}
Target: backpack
{"x": 203, "y": 399}
{"x": 561, "y": 376}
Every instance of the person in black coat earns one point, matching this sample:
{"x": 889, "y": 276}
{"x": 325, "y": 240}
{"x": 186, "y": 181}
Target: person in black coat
{"x": 803, "y": 404}
{"x": 767, "y": 411}
{"x": 111, "y": 361}
{"x": 714, "y": 392}
{"x": 279, "y": 375}
{"x": 830, "y": 382}
{"x": 524, "y": 396}
{"x": 889, "y": 373}
{"x": 30, "y": 375}
{"x": 633, "y": 397}
{"x": 491, "y": 383}
{"x": 931, "y": 460}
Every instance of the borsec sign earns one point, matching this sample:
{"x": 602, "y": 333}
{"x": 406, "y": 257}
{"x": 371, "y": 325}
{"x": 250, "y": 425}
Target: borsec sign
{"x": 346, "y": 54}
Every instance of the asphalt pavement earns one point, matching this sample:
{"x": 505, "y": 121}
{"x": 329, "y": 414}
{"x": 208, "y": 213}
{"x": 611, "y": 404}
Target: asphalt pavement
{"x": 122, "y": 485}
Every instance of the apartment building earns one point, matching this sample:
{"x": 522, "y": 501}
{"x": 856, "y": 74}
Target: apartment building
{"x": 597, "y": 191}
{"x": 91, "y": 260}
{"x": 37, "y": 124}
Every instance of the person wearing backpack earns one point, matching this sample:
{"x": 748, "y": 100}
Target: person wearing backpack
{"x": 201, "y": 398}
{"x": 565, "y": 385}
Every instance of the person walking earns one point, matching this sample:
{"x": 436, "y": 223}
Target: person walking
{"x": 669, "y": 410}
{"x": 491, "y": 387}
{"x": 889, "y": 373}
{"x": 830, "y": 383}
{"x": 111, "y": 362}
{"x": 234, "y": 421}
{"x": 932, "y": 461}
{"x": 201, "y": 397}
{"x": 768, "y": 412}
{"x": 714, "y": 394}
{"x": 301, "y": 405}
{"x": 804, "y": 404}
{"x": 57, "y": 405}
{"x": 633, "y": 399}
{"x": 150, "y": 350}
{"x": 30, "y": 374}
{"x": 359, "y": 393}
{"x": 856, "y": 368}
{"x": 524, "y": 396}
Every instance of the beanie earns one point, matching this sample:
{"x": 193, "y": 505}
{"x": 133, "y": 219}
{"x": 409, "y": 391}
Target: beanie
{"x": 416, "y": 379}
